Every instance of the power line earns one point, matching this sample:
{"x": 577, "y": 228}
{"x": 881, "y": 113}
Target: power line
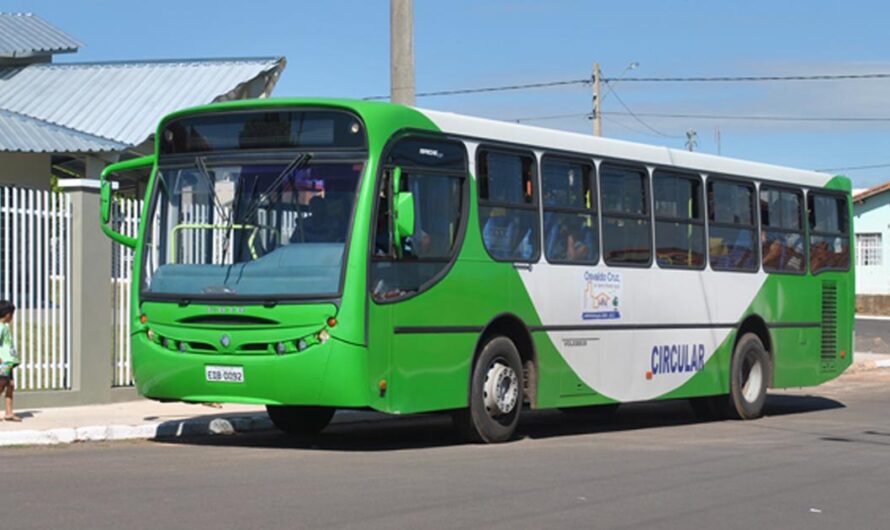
{"x": 494, "y": 88}
{"x": 757, "y": 118}
{"x": 587, "y": 81}
{"x": 854, "y": 168}
{"x": 753, "y": 78}
{"x": 637, "y": 118}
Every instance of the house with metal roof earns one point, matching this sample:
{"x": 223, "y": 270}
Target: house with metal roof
{"x": 871, "y": 225}
{"x": 72, "y": 119}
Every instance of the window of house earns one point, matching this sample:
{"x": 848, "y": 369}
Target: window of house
{"x": 781, "y": 230}
{"x": 869, "y": 250}
{"x": 731, "y": 225}
{"x": 627, "y": 238}
{"x": 508, "y": 211}
{"x": 571, "y": 234}
{"x": 679, "y": 221}
{"x": 829, "y": 232}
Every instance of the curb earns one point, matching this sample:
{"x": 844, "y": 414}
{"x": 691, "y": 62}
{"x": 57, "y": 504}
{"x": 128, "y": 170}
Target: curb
{"x": 228, "y": 425}
{"x": 147, "y": 431}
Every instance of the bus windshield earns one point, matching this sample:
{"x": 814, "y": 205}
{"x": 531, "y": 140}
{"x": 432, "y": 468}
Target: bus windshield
{"x": 273, "y": 230}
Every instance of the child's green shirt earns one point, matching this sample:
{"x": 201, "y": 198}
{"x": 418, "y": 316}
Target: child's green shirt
{"x": 8, "y": 355}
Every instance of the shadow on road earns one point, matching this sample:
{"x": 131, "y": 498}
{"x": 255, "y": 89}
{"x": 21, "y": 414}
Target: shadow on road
{"x": 392, "y": 433}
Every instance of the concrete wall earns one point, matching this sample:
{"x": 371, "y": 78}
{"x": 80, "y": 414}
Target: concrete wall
{"x": 872, "y": 216}
{"x": 31, "y": 170}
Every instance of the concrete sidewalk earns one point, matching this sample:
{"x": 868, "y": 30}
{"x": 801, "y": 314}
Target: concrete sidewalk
{"x": 145, "y": 419}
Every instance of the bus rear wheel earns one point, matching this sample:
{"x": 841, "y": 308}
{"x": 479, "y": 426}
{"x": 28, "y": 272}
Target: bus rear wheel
{"x": 749, "y": 378}
{"x": 496, "y": 394}
{"x": 300, "y": 421}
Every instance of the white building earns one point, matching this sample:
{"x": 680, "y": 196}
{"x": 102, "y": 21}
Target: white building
{"x": 871, "y": 211}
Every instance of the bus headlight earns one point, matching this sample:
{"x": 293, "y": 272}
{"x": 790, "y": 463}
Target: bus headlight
{"x": 323, "y": 336}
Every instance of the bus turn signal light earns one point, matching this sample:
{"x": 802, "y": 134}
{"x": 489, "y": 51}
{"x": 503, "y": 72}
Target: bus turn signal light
{"x": 332, "y": 322}
{"x": 843, "y": 355}
{"x": 382, "y": 386}
{"x": 143, "y": 318}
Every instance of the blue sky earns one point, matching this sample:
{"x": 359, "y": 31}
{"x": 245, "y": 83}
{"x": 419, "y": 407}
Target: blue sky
{"x": 341, "y": 48}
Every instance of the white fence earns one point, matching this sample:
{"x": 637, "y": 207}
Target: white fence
{"x": 125, "y": 219}
{"x": 35, "y": 274}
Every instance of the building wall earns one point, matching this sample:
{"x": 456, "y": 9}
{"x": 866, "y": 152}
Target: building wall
{"x": 872, "y": 216}
{"x": 31, "y": 170}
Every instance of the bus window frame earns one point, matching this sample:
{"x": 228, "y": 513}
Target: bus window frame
{"x": 845, "y": 197}
{"x": 460, "y": 237}
{"x": 800, "y": 192}
{"x": 644, "y": 170}
{"x": 593, "y": 210}
{"x": 535, "y": 206}
{"x": 755, "y": 213}
{"x": 692, "y": 176}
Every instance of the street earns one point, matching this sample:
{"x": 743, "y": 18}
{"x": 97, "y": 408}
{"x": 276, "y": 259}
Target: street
{"x": 872, "y": 335}
{"x": 820, "y": 459}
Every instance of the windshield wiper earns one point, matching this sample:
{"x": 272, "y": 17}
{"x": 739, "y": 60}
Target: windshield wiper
{"x": 211, "y": 186}
{"x": 298, "y": 162}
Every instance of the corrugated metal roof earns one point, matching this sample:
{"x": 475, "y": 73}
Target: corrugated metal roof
{"x": 24, "y": 134}
{"x": 123, "y": 101}
{"x": 23, "y": 34}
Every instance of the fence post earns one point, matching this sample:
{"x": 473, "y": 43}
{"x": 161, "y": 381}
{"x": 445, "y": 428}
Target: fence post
{"x": 91, "y": 295}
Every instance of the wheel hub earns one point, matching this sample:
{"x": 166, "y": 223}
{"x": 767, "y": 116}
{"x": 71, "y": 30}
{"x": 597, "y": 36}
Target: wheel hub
{"x": 752, "y": 379}
{"x": 501, "y": 390}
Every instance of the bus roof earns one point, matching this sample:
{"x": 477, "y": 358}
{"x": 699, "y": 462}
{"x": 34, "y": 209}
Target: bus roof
{"x": 487, "y": 130}
{"x": 498, "y": 131}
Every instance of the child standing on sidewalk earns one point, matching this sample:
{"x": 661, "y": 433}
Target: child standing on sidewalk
{"x": 9, "y": 358}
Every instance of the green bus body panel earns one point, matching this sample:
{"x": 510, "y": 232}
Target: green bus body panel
{"x": 431, "y": 370}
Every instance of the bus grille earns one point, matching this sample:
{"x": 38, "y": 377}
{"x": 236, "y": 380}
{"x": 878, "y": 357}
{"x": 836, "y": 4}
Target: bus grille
{"x": 829, "y": 326}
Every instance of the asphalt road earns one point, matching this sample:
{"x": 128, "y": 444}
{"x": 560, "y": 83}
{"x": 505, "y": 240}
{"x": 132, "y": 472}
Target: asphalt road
{"x": 820, "y": 459}
{"x": 872, "y": 335}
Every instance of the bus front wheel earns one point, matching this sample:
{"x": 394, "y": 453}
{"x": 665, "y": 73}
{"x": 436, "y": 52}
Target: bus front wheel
{"x": 300, "y": 421}
{"x": 496, "y": 394}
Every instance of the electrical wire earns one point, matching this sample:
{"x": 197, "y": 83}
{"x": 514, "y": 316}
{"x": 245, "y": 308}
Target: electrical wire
{"x": 753, "y": 78}
{"x": 638, "y": 119}
{"x": 492, "y": 89}
{"x": 855, "y": 168}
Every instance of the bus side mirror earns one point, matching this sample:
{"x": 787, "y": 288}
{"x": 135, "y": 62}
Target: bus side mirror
{"x": 404, "y": 210}
{"x": 105, "y": 202}
{"x": 403, "y": 207}
{"x": 106, "y": 192}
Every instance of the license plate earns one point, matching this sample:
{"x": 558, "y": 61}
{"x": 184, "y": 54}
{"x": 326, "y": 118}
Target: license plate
{"x": 225, "y": 374}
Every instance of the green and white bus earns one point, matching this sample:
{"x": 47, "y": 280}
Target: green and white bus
{"x": 311, "y": 255}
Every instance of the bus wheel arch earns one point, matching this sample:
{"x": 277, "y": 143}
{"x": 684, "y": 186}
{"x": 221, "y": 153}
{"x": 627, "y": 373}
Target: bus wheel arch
{"x": 756, "y": 325}
{"x": 512, "y": 327}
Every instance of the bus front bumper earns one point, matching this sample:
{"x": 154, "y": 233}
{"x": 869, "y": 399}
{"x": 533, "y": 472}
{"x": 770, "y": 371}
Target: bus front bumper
{"x": 330, "y": 374}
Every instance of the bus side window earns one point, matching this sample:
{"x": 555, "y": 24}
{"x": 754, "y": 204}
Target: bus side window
{"x": 571, "y": 234}
{"x": 627, "y": 238}
{"x": 508, "y": 213}
{"x": 679, "y": 221}
{"x": 781, "y": 230}
{"x": 731, "y": 225}
{"x": 829, "y": 232}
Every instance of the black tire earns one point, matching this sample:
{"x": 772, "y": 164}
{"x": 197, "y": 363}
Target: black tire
{"x": 750, "y": 375}
{"x": 593, "y": 412}
{"x": 300, "y": 421}
{"x": 482, "y": 421}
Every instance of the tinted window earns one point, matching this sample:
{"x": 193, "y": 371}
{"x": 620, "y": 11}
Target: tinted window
{"x": 732, "y": 231}
{"x": 403, "y": 263}
{"x": 508, "y": 215}
{"x": 829, "y": 232}
{"x": 570, "y": 222}
{"x": 781, "y": 225}
{"x": 262, "y": 130}
{"x": 679, "y": 223}
{"x": 627, "y": 236}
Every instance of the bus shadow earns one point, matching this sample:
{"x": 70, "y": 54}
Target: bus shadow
{"x": 425, "y": 431}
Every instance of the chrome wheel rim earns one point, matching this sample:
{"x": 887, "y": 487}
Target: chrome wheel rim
{"x": 500, "y": 391}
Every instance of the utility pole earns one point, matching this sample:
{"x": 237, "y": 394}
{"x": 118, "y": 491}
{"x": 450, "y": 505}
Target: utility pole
{"x": 597, "y": 110}
{"x": 401, "y": 51}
